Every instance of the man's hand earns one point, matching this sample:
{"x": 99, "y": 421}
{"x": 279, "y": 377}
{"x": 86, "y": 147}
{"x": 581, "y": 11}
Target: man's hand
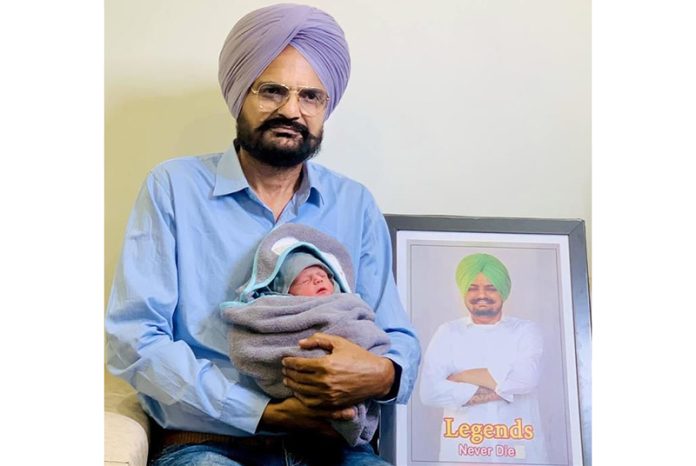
{"x": 291, "y": 414}
{"x": 483, "y": 395}
{"x": 346, "y": 376}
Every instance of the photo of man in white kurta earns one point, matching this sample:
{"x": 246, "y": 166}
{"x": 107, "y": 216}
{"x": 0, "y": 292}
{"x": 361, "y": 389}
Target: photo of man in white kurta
{"x": 483, "y": 369}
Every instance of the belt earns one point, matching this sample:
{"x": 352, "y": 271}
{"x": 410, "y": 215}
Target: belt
{"x": 180, "y": 437}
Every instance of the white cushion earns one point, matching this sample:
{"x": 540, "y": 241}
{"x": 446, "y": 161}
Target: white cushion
{"x": 125, "y": 440}
{"x": 126, "y": 426}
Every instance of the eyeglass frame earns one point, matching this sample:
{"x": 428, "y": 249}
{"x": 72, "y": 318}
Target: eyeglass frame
{"x": 290, "y": 90}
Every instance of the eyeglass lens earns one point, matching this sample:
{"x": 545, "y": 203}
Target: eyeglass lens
{"x": 273, "y": 96}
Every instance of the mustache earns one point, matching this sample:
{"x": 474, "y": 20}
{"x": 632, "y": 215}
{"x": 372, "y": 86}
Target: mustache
{"x": 484, "y": 300}
{"x": 280, "y": 121}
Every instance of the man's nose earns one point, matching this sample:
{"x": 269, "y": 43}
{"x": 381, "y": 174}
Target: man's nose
{"x": 291, "y": 108}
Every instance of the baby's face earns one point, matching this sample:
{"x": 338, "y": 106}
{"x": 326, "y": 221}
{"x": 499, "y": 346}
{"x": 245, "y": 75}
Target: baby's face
{"x": 312, "y": 281}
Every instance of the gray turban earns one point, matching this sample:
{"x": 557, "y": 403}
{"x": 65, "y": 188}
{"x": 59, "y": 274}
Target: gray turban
{"x": 259, "y": 37}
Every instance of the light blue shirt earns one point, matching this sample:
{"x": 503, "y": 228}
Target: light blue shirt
{"x": 189, "y": 245}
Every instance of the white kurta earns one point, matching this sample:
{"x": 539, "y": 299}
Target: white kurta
{"x": 511, "y": 351}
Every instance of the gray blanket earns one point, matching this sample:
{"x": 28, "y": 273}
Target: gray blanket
{"x": 267, "y": 327}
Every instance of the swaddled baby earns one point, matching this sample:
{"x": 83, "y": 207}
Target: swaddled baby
{"x": 303, "y": 298}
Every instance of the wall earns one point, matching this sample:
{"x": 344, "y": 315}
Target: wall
{"x": 478, "y": 107}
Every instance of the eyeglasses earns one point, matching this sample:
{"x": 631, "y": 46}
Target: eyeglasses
{"x": 272, "y": 96}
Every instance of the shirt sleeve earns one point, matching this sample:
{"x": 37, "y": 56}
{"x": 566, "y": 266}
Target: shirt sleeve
{"x": 141, "y": 343}
{"x": 522, "y": 375}
{"x": 435, "y": 389}
{"x": 376, "y": 286}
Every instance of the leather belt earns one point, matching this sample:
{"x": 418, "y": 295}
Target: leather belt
{"x": 181, "y": 437}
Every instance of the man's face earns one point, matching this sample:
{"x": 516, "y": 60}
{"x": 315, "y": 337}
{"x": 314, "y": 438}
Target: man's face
{"x": 284, "y": 137}
{"x": 483, "y": 301}
{"x": 312, "y": 281}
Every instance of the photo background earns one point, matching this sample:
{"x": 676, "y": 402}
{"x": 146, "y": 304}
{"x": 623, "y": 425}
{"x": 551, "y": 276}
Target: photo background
{"x": 535, "y": 295}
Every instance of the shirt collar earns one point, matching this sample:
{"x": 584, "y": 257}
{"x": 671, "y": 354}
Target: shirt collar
{"x": 311, "y": 184}
{"x": 470, "y": 323}
{"x": 229, "y": 178}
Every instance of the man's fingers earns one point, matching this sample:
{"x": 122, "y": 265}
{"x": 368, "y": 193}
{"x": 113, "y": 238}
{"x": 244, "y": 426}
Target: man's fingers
{"x": 309, "y": 401}
{"x": 326, "y": 408}
{"x": 320, "y": 340}
{"x": 303, "y": 377}
{"x": 344, "y": 414}
{"x": 308, "y": 365}
{"x": 295, "y": 386}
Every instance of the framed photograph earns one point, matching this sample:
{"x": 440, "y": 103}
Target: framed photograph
{"x": 502, "y": 310}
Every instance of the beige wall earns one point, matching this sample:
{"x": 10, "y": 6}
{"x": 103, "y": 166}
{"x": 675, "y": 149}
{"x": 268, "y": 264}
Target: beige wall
{"x": 461, "y": 108}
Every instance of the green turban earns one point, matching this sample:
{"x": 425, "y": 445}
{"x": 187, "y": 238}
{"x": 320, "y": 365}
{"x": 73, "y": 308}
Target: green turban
{"x": 488, "y": 265}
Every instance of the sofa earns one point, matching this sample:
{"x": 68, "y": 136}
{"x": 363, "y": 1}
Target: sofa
{"x": 126, "y": 426}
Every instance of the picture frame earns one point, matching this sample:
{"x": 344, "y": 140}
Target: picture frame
{"x": 545, "y": 417}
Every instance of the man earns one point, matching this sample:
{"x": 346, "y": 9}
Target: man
{"x": 484, "y": 369}
{"x": 283, "y": 69}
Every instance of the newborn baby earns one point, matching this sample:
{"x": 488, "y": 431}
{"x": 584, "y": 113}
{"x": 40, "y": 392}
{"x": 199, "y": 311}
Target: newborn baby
{"x": 303, "y": 274}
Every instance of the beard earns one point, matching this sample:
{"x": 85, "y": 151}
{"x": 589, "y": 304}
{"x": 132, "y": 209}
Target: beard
{"x": 486, "y": 311}
{"x": 270, "y": 153}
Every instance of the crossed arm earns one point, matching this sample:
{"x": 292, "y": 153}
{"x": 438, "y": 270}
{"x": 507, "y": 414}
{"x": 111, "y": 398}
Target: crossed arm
{"x": 448, "y": 387}
{"x": 485, "y": 381}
